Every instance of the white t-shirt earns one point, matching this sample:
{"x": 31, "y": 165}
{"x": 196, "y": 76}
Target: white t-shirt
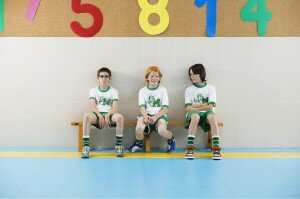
{"x": 104, "y": 98}
{"x": 197, "y": 95}
{"x": 153, "y": 99}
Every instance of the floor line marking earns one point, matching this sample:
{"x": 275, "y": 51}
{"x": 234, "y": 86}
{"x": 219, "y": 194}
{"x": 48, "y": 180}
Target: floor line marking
{"x": 147, "y": 155}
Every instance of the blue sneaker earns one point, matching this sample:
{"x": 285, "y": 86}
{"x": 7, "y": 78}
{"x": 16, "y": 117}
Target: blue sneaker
{"x": 171, "y": 146}
{"x": 137, "y": 146}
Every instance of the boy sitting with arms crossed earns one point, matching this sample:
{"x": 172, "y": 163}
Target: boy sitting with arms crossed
{"x": 103, "y": 107}
{"x": 200, "y": 100}
{"x": 154, "y": 104}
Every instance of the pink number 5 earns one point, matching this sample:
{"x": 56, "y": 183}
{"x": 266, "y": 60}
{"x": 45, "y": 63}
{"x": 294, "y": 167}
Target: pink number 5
{"x": 96, "y": 13}
{"x": 32, "y": 9}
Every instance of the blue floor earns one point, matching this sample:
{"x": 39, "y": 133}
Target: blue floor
{"x": 149, "y": 178}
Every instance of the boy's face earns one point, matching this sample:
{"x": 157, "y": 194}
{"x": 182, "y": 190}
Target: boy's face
{"x": 195, "y": 78}
{"x": 153, "y": 79}
{"x": 104, "y": 78}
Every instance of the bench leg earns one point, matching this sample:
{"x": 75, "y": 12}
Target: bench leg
{"x": 147, "y": 143}
{"x": 80, "y": 135}
{"x": 209, "y": 141}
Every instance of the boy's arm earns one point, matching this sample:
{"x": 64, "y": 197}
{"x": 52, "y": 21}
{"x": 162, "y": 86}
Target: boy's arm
{"x": 93, "y": 106}
{"x": 162, "y": 112}
{"x": 145, "y": 115}
{"x": 165, "y": 107}
{"x": 202, "y": 107}
{"x": 114, "y": 108}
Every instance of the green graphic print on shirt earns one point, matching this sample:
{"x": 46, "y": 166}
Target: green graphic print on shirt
{"x": 200, "y": 99}
{"x": 153, "y": 102}
{"x": 103, "y": 101}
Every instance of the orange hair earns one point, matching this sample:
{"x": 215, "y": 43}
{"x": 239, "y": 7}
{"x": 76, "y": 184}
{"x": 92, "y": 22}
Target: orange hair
{"x": 151, "y": 69}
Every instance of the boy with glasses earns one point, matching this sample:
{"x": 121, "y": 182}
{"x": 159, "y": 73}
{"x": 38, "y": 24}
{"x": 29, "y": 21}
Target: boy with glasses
{"x": 200, "y": 100}
{"x": 103, "y": 112}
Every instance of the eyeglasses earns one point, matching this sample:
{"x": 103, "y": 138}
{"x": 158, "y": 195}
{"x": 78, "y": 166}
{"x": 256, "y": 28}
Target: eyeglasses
{"x": 103, "y": 76}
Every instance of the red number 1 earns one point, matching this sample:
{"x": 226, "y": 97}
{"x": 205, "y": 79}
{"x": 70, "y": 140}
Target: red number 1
{"x": 96, "y": 13}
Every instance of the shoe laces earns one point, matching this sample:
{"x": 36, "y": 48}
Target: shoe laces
{"x": 86, "y": 149}
{"x": 216, "y": 150}
{"x": 190, "y": 149}
{"x": 119, "y": 149}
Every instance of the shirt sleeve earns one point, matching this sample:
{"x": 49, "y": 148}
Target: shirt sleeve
{"x": 142, "y": 102}
{"x": 115, "y": 96}
{"x": 93, "y": 95}
{"x": 165, "y": 99}
{"x": 187, "y": 96}
{"x": 212, "y": 98}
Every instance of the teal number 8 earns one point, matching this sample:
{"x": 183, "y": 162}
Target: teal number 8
{"x": 262, "y": 15}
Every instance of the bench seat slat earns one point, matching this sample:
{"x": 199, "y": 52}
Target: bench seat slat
{"x": 147, "y": 139}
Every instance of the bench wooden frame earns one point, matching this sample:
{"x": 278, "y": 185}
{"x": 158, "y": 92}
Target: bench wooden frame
{"x": 147, "y": 139}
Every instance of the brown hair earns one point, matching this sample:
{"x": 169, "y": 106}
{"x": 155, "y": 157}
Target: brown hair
{"x": 151, "y": 69}
{"x": 103, "y": 69}
{"x": 200, "y": 70}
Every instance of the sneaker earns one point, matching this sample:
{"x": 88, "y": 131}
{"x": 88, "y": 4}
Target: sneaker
{"x": 85, "y": 152}
{"x": 119, "y": 151}
{"x": 216, "y": 150}
{"x": 171, "y": 147}
{"x": 189, "y": 152}
{"x": 137, "y": 146}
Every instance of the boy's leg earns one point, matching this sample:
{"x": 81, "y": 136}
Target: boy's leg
{"x": 190, "y": 149}
{"x": 88, "y": 119}
{"x": 212, "y": 120}
{"x": 162, "y": 130}
{"x": 193, "y": 128}
{"x": 139, "y": 133}
{"x": 118, "y": 119}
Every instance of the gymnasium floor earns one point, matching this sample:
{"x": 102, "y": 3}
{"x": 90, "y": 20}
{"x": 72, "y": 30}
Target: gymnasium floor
{"x": 49, "y": 173}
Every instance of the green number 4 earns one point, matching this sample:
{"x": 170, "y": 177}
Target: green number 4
{"x": 261, "y": 15}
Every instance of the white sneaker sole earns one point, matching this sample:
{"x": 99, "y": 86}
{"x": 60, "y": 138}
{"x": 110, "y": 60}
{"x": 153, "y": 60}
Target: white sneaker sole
{"x": 216, "y": 158}
{"x": 189, "y": 158}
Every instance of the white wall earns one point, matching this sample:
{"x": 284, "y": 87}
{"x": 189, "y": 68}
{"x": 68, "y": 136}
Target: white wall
{"x": 45, "y": 82}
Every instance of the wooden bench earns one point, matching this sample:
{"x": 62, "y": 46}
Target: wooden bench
{"x": 147, "y": 139}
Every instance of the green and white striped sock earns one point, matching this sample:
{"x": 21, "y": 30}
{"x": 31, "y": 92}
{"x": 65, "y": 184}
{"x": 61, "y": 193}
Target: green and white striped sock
{"x": 191, "y": 139}
{"x": 119, "y": 140}
{"x": 86, "y": 140}
{"x": 216, "y": 140}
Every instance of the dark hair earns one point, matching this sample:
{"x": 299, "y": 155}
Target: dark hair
{"x": 198, "y": 69}
{"x": 103, "y": 69}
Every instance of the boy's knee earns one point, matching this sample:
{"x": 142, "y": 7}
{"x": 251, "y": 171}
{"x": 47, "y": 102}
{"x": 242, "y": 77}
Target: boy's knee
{"x": 119, "y": 118}
{"x": 211, "y": 118}
{"x": 161, "y": 130}
{"x": 139, "y": 128}
{"x": 87, "y": 118}
{"x": 195, "y": 117}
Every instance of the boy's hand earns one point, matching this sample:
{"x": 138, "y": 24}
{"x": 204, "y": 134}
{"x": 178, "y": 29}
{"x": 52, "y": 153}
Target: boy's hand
{"x": 101, "y": 121}
{"x": 189, "y": 108}
{"x": 107, "y": 121}
{"x": 153, "y": 119}
{"x": 147, "y": 120}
